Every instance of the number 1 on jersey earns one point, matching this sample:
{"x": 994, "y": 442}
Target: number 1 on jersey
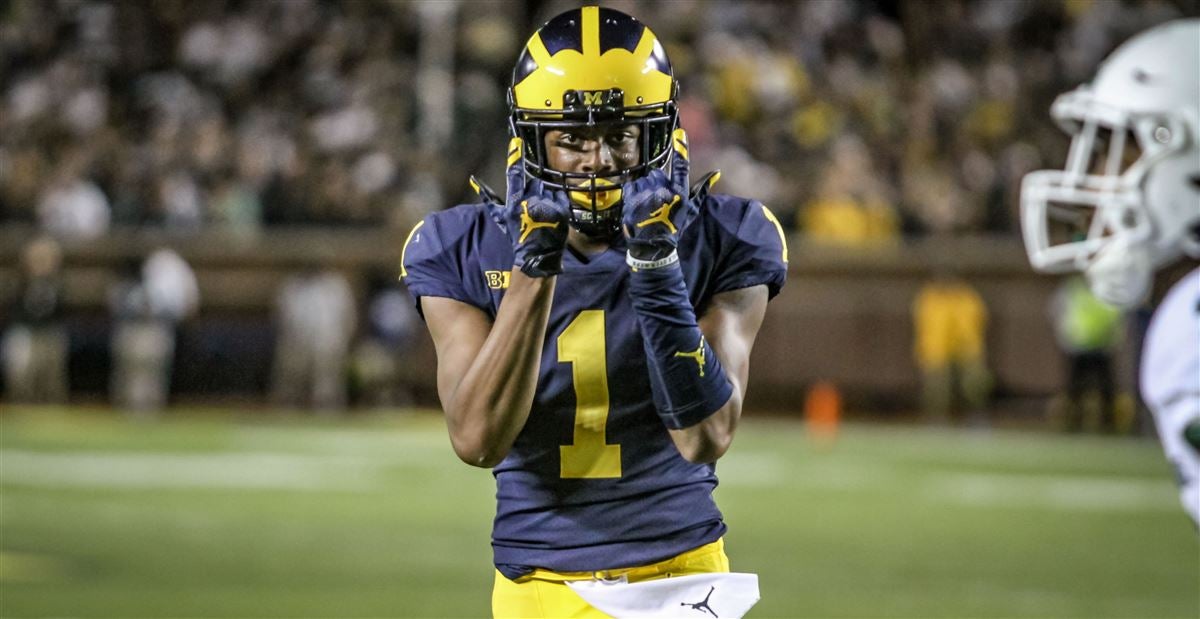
{"x": 588, "y": 456}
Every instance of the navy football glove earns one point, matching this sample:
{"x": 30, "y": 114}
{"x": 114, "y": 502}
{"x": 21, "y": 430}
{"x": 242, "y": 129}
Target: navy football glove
{"x": 534, "y": 218}
{"x": 657, "y": 208}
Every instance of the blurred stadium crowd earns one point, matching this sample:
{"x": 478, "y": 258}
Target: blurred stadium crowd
{"x": 859, "y": 123}
{"x": 856, "y": 121}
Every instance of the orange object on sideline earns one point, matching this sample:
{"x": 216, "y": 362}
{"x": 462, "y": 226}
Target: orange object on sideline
{"x": 823, "y": 412}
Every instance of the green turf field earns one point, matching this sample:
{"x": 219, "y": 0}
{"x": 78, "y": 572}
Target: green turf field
{"x": 217, "y": 515}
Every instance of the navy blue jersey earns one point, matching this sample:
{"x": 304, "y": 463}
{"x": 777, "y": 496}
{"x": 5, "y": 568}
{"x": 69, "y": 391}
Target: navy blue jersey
{"x": 594, "y": 481}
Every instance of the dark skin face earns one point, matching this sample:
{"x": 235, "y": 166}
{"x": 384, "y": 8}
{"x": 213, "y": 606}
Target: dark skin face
{"x": 597, "y": 150}
{"x": 603, "y": 151}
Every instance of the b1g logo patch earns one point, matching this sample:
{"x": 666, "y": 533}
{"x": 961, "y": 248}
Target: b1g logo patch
{"x": 497, "y": 280}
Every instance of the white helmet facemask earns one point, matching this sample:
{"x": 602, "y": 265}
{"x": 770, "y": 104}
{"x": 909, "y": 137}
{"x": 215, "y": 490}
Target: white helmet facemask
{"x": 1123, "y": 205}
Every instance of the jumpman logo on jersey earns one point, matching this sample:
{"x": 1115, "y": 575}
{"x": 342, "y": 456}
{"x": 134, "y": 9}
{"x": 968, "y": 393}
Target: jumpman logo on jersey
{"x": 703, "y": 604}
{"x": 661, "y": 216}
{"x": 697, "y": 355}
{"x": 528, "y": 224}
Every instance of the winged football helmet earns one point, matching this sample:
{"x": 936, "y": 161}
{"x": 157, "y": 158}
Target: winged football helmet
{"x": 586, "y": 68}
{"x": 1128, "y": 200}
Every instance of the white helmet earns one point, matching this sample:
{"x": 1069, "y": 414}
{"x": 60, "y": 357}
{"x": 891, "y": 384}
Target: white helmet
{"x": 1115, "y": 217}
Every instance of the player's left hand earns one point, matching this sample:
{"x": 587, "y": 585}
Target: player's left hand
{"x": 533, "y": 216}
{"x": 657, "y": 207}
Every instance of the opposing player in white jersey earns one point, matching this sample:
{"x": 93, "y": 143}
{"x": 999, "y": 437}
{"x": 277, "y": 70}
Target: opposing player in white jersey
{"x": 1127, "y": 206}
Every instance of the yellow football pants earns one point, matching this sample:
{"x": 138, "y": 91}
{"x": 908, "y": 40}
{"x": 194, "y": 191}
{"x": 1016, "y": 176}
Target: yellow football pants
{"x": 544, "y": 594}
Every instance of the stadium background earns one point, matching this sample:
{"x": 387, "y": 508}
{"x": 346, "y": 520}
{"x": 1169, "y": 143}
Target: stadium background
{"x": 260, "y": 139}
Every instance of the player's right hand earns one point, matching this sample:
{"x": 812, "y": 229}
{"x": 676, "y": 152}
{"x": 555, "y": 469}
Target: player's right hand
{"x": 535, "y": 219}
{"x": 658, "y": 207}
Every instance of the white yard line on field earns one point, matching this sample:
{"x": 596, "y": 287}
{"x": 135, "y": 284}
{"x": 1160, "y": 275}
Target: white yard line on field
{"x": 972, "y": 489}
{"x": 171, "y": 470}
{"x": 363, "y": 472}
{"x": 1058, "y": 492}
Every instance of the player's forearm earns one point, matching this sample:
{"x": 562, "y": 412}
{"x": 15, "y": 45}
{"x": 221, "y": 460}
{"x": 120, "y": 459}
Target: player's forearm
{"x": 492, "y": 401}
{"x": 708, "y": 440}
{"x": 730, "y": 325}
{"x": 687, "y": 381}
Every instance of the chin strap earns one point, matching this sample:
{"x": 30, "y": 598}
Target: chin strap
{"x": 586, "y": 222}
{"x": 485, "y": 192}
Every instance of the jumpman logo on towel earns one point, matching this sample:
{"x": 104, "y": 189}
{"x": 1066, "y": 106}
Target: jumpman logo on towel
{"x": 702, "y": 605}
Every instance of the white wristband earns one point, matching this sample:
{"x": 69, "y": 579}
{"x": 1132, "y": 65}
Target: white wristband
{"x": 649, "y": 265}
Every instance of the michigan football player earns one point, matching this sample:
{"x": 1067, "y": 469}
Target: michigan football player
{"x": 593, "y": 326}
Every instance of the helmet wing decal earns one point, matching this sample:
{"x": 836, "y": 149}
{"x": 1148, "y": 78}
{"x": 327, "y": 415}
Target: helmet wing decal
{"x": 641, "y": 71}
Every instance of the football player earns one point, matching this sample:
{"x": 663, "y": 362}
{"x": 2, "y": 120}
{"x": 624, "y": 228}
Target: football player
{"x": 593, "y": 325}
{"x": 1127, "y": 205}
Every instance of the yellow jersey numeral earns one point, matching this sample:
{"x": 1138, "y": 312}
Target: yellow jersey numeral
{"x": 589, "y": 456}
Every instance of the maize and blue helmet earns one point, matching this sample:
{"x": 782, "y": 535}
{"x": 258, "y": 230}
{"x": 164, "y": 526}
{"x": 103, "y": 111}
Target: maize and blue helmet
{"x": 589, "y": 68}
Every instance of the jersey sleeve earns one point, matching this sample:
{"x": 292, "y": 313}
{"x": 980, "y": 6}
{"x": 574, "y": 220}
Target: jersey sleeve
{"x": 1170, "y": 382}
{"x": 758, "y": 254}
{"x": 430, "y": 264}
